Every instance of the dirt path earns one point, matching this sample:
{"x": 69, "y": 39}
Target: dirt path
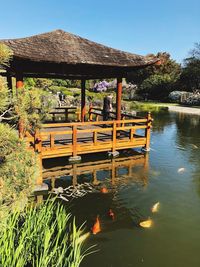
{"x": 184, "y": 110}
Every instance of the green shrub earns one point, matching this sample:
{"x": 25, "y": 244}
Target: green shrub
{"x": 18, "y": 171}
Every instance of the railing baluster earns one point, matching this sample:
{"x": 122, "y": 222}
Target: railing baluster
{"x": 52, "y": 141}
{"x": 90, "y": 113}
{"x": 95, "y": 137}
{"x": 114, "y": 136}
{"x": 132, "y": 131}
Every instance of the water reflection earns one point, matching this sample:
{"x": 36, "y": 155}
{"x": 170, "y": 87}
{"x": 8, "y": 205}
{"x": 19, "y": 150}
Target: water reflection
{"x": 130, "y": 166}
{"x": 134, "y": 186}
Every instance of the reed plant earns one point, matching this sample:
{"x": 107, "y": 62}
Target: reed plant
{"x": 41, "y": 237}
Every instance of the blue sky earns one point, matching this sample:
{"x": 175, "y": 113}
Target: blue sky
{"x": 140, "y": 26}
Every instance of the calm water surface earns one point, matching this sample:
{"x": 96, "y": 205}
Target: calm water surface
{"x": 174, "y": 239}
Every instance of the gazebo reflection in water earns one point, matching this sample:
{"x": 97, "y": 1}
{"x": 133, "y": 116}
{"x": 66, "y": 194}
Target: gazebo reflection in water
{"x": 129, "y": 167}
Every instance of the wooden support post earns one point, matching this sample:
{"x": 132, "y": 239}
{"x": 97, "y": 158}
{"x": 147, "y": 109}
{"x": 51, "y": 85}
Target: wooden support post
{"x": 83, "y": 106}
{"x": 148, "y": 132}
{"x": 114, "y": 153}
{"x": 118, "y": 98}
{"x": 74, "y": 158}
{"x": 19, "y": 81}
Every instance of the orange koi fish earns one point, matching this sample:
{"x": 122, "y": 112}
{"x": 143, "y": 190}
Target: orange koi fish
{"x": 96, "y": 227}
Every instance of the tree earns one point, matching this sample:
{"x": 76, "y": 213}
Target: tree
{"x": 190, "y": 77}
{"x": 157, "y": 81}
{"x": 17, "y": 165}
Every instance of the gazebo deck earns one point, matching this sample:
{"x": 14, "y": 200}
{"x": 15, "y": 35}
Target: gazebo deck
{"x": 72, "y": 139}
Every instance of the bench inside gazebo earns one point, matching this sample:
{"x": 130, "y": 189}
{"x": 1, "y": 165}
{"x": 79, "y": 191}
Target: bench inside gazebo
{"x": 62, "y": 55}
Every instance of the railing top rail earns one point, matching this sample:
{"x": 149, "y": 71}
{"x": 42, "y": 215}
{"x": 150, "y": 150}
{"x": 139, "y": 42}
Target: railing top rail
{"x": 114, "y": 113}
{"x": 55, "y": 125}
{"x": 65, "y": 107}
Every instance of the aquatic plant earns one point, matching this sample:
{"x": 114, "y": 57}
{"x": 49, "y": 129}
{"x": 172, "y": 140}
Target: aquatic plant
{"x": 41, "y": 236}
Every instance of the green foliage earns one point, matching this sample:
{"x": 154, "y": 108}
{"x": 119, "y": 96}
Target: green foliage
{"x": 40, "y": 237}
{"x": 18, "y": 171}
{"x": 190, "y": 77}
{"x": 158, "y": 80}
{"x": 4, "y": 103}
{"x": 29, "y": 83}
{"x": 5, "y": 55}
{"x": 54, "y": 89}
{"x": 43, "y": 83}
{"x": 158, "y": 86}
{"x": 32, "y": 106}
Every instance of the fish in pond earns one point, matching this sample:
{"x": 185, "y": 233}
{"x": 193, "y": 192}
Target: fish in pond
{"x": 155, "y": 207}
{"x": 111, "y": 214}
{"x": 180, "y": 170}
{"x": 146, "y": 224}
{"x": 96, "y": 228}
{"x": 104, "y": 190}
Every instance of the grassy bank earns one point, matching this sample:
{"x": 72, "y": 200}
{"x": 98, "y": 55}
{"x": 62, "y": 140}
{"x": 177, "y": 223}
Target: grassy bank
{"x": 148, "y": 106}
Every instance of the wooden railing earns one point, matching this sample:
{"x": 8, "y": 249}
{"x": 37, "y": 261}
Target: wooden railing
{"x": 96, "y": 113}
{"x": 65, "y": 139}
{"x": 93, "y": 113}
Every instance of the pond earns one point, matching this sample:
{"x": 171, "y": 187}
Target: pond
{"x": 169, "y": 175}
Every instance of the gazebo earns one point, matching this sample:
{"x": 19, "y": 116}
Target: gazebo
{"x": 63, "y": 55}
{"x": 59, "y": 54}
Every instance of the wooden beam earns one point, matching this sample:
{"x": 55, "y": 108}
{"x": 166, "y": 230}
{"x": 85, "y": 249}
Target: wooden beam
{"x": 83, "y": 106}
{"x": 118, "y": 98}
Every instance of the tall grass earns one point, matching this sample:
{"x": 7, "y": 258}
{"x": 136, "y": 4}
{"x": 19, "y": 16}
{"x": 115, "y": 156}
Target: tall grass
{"x": 41, "y": 237}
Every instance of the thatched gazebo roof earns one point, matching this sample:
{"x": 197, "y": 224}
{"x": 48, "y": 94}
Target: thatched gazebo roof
{"x": 59, "y": 54}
